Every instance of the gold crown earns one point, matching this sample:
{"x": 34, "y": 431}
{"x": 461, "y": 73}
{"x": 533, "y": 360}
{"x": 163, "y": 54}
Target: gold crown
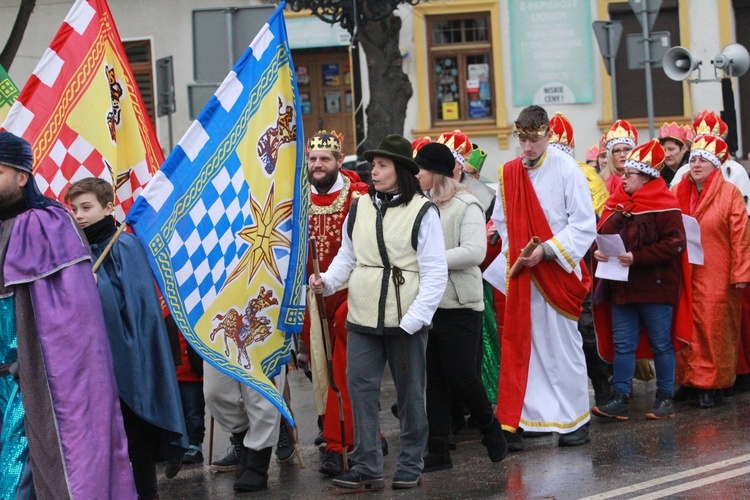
{"x": 530, "y": 132}
{"x": 325, "y": 141}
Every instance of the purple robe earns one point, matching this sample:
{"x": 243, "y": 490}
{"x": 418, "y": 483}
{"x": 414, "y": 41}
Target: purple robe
{"x": 77, "y": 442}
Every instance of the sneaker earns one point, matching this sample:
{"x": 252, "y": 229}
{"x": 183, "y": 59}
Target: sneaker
{"x": 232, "y": 458}
{"x": 616, "y": 408}
{"x": 405, "y": 480}
{"x": 284, "y": 447}
{"x": 578, "y": 437}
{"x": 662, "y": 407}
{"x": 514, "y": 440}
{"x": 333, "y": 464}
{"x": 194, "y": 455}
{"x": 354, "y": 480}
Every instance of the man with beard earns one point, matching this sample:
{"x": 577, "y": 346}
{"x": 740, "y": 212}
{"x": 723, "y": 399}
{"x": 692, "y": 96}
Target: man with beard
{"x": 543, "y": 194}
{"x": 59, "y": 408}
{"x": 331, "y": 193}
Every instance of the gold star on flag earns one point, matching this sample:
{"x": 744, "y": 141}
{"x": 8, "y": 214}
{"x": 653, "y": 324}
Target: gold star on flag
{"x": 263, "y": 236}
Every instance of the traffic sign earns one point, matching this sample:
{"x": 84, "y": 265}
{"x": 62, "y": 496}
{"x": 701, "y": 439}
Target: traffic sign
{"x": 660, "y": 44}
{"x": 651, "y": 6}
{"x": 608, "y": 35}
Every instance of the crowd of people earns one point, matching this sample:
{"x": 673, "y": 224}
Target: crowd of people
{"x": 481, "y": 303}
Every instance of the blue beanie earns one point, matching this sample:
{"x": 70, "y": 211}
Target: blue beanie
{"x": 15, "y": 152}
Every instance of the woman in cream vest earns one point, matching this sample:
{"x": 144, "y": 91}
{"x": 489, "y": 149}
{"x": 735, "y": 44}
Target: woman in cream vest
{"x": 393, "y": 256}
{"x": 455, "y": 336}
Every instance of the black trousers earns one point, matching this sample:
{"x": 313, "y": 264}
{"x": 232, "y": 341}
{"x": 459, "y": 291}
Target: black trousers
{"x": 452, "y": 348}
{"x": 596, "y": 368}
{"x": 143, "y": 439}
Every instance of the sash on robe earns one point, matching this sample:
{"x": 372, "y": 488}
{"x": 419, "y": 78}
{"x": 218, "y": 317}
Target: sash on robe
{"x": 563, "y": 291}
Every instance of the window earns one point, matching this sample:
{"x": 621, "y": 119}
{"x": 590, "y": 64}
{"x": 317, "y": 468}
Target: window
{"x": 460, "y": 68}
{"x": 139, "y": 56}
{"x": 463, "y": 40}
{"x": 631, "y": 84}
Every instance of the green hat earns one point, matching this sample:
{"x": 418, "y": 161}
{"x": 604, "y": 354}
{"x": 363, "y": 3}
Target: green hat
{"x": 398, "y": 149}
{"x": 476, "y": 158}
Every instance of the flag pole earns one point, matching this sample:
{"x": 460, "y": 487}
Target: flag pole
{"x": 99, "y": 261}
{"x": 323, "y": 316}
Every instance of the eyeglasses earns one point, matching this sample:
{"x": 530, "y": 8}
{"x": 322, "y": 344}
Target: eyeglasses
{"x": 626, "y": 174}
{"x": 621, "y": 151}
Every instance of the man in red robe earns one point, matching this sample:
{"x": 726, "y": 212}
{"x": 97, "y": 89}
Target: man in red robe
{"x": 331, "y": 193}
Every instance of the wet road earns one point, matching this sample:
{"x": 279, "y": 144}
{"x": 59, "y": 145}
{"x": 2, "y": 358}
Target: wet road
{"x": 699, "y": 454}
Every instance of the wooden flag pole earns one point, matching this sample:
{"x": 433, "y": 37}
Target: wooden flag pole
{"x": 107, "y": 249}
{"x": 323, "y": 316}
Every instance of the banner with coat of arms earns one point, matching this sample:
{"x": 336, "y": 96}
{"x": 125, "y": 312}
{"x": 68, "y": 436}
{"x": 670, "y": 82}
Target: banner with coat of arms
{"x": 8, "y": 93}
{"x": 82, "y": 112}
{"x": 224, "y": 222}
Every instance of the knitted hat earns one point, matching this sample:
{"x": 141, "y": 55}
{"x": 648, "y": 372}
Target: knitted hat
{"x": 459, "y": 144}
{"x": 418, "y": 143}
{"x": 622, "y": 132}
{"x": 647, "y": 158}
{"x": 437, "y": 158}
{"x": 398, "y": 149}
{"x": 710, "y": 147}
{"x": 674, "y": 132}
{"x": 15, "y": 152}
{"x": 325, "y": 141}
{"x": 592, "y": 153}
{"x": 708, "y": 122}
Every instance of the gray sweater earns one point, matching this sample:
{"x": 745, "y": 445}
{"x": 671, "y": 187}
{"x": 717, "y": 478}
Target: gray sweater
{"x": 462, "y": 220}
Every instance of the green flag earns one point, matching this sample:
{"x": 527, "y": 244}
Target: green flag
{"x": 8, "y": 94}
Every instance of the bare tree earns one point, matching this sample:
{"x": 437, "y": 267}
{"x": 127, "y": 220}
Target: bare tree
{"x": 16, "y": 34}
{"x": 376, "y": 27}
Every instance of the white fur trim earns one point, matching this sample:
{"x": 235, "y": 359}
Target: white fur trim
{"x": 620, "y": 140}
{"x": 642, "y": 167}
{"x": 562, "y": 147}
{"x": 707, "y": 155}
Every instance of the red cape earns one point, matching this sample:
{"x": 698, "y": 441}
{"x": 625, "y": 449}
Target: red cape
{"x": 562, "y": 290}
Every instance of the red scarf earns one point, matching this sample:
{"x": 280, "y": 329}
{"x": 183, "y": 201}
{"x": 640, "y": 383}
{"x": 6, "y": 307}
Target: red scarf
{"x": 654, "y": 196}
{"x": 562, "y": 290}
{"x": 688, "y": 195}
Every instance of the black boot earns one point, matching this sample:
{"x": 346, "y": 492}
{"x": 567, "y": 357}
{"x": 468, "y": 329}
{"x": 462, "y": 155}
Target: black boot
{"x": 255, "y": 474}
{"x": 438, "y": 454}
{"x": 494, "y": 440}
{"x": 241, "y": 453}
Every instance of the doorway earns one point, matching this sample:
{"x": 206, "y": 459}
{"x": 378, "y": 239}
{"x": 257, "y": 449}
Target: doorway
{"x": 324, "y": 79}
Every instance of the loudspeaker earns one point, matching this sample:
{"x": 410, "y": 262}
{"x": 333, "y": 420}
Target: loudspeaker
{"x": 678, "y": 63}
{"x": 734, "y": 60}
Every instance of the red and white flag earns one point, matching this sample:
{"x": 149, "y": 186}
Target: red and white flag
{"x": 82, "y": 112}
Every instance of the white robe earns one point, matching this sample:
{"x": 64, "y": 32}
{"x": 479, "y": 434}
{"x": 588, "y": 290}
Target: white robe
{"x": 557, "y": 397}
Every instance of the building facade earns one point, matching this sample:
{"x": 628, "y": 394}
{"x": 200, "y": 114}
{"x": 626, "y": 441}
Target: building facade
{"x": 473, "y": 63}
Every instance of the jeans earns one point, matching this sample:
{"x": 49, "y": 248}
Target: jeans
{"x": 627, "y": 320}
{"x": 194, "y": 408}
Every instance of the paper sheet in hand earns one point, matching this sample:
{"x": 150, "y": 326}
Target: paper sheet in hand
{"x": 611, "y": 245}
{"x": 495, "y": 272}
{"x": 693, "y": 236}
